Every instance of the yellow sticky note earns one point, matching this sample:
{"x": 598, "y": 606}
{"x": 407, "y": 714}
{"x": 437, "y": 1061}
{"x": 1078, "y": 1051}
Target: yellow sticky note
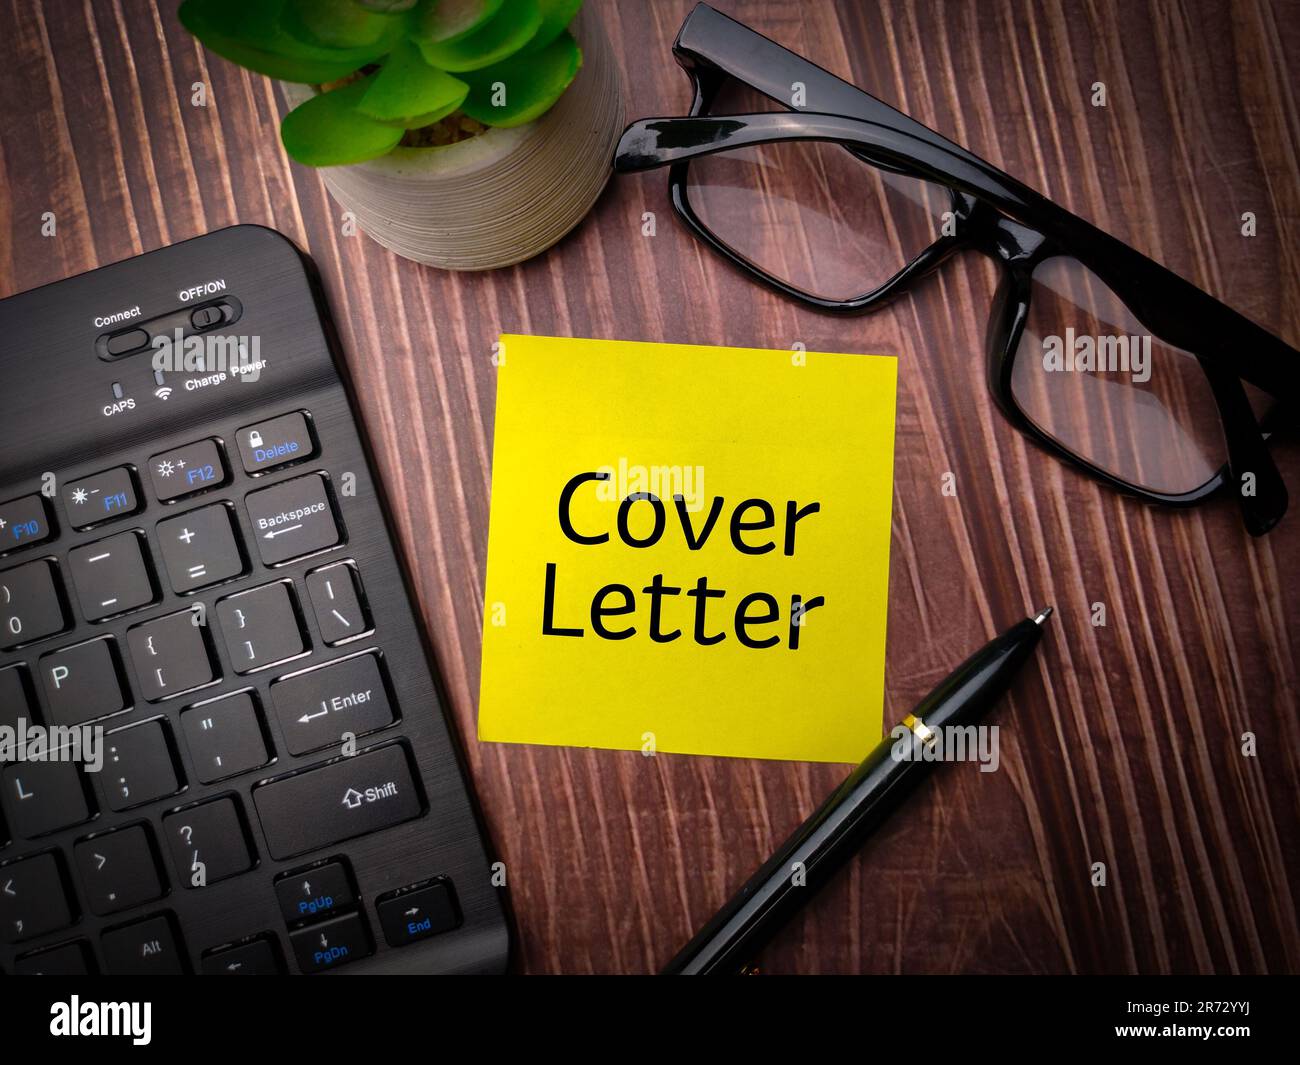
{"x": 689, "y": 549}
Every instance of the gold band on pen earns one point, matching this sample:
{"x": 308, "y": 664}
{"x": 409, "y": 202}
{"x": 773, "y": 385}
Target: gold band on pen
{"x": 923, "y": 732}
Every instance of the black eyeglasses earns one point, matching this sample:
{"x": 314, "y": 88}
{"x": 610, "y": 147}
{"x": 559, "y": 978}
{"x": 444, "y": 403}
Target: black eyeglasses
{"x": 1104, "y": 357}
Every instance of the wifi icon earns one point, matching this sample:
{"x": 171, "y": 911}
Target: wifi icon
{"x": 162, "y": 393}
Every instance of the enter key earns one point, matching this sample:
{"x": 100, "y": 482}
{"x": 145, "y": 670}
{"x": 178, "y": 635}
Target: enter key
{"x": 322, "y": 707}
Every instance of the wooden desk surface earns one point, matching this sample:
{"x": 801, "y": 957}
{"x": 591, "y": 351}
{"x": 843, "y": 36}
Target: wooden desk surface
{"x": 1121, "y": 744}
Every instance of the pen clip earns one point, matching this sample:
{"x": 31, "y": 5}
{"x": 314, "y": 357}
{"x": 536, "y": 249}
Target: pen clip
{"x": 920, "y": 729}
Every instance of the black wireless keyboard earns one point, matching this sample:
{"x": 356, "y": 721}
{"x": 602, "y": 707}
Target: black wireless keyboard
{"x": 196, "y": 562}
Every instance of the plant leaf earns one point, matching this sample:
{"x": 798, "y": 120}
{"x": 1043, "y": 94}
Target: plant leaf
{"x": 507, "y": 32}
{"x": 417, "y": 121}
{"x": 328, "y": 130}
{"x": 248, "y": 33}
{"x": 445, "y": 21}
{"x": 264, "y": 48}
{"x": 556, "y": 16}
{"x": 340, "y": 24}
{"x": 532, "y": 84}
{"x": 407, "y": 88}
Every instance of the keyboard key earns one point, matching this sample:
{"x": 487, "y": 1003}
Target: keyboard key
{"x": 32, "y": 899}
{"x": 292, "y": 518}
{"x": 255, "y": 958}
{"x": 24, "y": 521}
{"x": 83, "y": 682}
{"x": 125, "y": 342}
{"x": 337, "y": 801}
{"x": 100, "y": 497}
{"x": 111, "y": 576}
{"x": 208, "y": 842}
{"x": 16, "y": 701}
{"x": 200, "y": 548}
{"x": 261, "y": 626}
{"x": 337, "y": 602}
{"x": 138, "y": 766}
{"x": 43, "y": 797}
{"x": 150, "y": 947}
{"x": 417, "y": 913}
{"x": 170, "y": 655}
{"x": 276, "y": 442}
{"x": 331, "y": 943}
{"x": 318, "y": 707}
{"x": 224, "y": 737}
{"x": 310, "y": 894}
{"x": 185, "y": 470}
{"x": 118, "y": 870}
{"x": 67, "y": 959}
{"x": 30, "y": 606}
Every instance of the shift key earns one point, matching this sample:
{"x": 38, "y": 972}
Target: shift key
{"x": 336, "y": 801}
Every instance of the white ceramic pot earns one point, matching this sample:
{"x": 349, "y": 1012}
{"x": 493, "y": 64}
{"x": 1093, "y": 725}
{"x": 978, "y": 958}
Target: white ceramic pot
{"x": 500, "y": 197}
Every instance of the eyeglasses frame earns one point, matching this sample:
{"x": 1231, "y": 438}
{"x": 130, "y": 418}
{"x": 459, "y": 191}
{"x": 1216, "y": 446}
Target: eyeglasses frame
{"x": 995, "y": 214}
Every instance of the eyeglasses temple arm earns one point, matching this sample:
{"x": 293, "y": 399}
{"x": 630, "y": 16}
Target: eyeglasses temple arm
{"x": 1253, "y": 476}
{"x": 710, "y": 39}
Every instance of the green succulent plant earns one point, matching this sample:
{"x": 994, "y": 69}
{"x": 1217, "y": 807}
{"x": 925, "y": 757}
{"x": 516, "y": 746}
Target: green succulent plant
{"x": 389, "y": 66}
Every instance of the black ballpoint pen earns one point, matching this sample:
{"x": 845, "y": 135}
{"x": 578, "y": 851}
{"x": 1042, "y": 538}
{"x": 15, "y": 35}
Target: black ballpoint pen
{"x": 824, "y": 842}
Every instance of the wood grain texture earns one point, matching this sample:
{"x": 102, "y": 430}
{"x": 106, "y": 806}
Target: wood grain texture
{"x": 1121, "y": 744}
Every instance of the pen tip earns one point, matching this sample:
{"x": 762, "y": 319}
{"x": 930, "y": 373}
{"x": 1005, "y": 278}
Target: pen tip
{"x": 1042, "y": 615}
